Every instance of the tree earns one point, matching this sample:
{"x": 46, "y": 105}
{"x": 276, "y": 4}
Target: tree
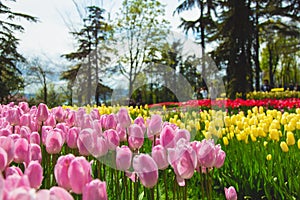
{"x": 203, "y": 26}
{"x": 141, "y": 32}
{"x": 90, "y": 38}
{"x": 11, "y": 81}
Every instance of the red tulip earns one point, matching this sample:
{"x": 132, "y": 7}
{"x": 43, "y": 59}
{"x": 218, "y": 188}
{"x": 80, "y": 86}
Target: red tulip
{"x": 95, "y": 190}
{"x": 146, "y": 169}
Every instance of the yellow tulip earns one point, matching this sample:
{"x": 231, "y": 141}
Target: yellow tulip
{"x": 265, "y": 143}
{"x": 225, "y": 141}
{"x": 298, "y": 143}
{"x": 284, "y": 147}
{"x": 274, "y": 134}
{"x": 290, "y": 139}
{"x": 269, "y": 157}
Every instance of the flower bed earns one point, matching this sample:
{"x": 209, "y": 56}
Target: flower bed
{"x": 100, "y": 152}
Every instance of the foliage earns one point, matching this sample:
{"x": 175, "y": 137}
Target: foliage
{"x": 11, "y": 81}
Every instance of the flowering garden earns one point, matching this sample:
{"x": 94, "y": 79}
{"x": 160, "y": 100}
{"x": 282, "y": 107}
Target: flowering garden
{"x": 223, "y": 149}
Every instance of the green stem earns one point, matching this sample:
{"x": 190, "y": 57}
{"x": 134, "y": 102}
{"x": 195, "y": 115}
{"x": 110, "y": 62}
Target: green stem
{"x": 165, "y": 183}
{"x": 185, "y": 190}
{"x": 136, "y": 188}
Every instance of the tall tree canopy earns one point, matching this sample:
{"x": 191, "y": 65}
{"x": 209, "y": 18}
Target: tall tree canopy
{"x": 11, "y": 81}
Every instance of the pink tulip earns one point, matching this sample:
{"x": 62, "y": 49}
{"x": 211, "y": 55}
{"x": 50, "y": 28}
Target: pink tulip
{"x": 35, "y": 153}
{"x": 112, "y": 138}
{"x": 21, "y": 151}
{"x": 182, "y": 133}
{"x": 220, "y": 157}
{"x": 25, "y": 132}
{"x": 100, "y": 147}
{"x": 2, "y": 192}
{"x": 146, "y": 169}
{"x": 123, "y": 118}
{"x": 79, "y": 174}
{"x": 51, "y": 121}
{"x": 111, "y": 121}
{"x": 58, "y": 113}
{"x": 207, "y": 154}
{"x": 70, "y": 119}
{"x": 5, "y": 132}
{"x": 9, "y": 171}
{"x": 13, "y": 116}
{"x": 103, "y": 120}
{"x": 85, "y": 141}
{"x": 43, "y": 195}
{"x": 136, "y": 136}
{"x": 121, "y": 133}
{"x": 14, "y": 181}
{"x": 123, "y": 158}
{"x": 155, "y": 125}
{"x": 3, "y": 159}
{"x": 159, "y": 155}
{"x": 71, "y": 137}
{"x": 97, "y": 127}
{"x": 45, "y": 131}
{"x": 94, "y": 190}
{"x": 21, "y": 194}
{"x": 63, "y": 128}
{"x": 230, "y": 193}
{"x": 167, "y": 137}
{"x": 183, "y": 159}
{"x": 25, "y": 120}
{"x": 34, "y": 171}
{"x": 95, "y": 114}
{"x": 8, "y": 145}
{"x": 61, "y": 171}
{"x": 24, "y": 107}
{"x": 54, "y": 142}
{"x": 42, "y": 112}
{"x": 141, "y": 122}
{"x": 35, "y": 138}
{"x": 58, "y": 193}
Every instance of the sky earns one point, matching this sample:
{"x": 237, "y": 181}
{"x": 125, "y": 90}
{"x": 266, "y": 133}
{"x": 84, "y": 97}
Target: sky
{"x": 50, "y": 37}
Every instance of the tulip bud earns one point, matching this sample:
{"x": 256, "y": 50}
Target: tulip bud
{"x": 230, "y": 193}
{"x": 21, "y": 151}
{"x": 34, "y": 171}
{"x": 8, "y": 145}
{"x": 42, "y": 112}
{"x": 112, "y": 139}
{"x": 61, "y": 171}
{"x": 111, "y": 122}
{"x": 155, "y": 125}
{"x": 94, "y": 190}
{"x": 123, "y": 118}
{"x": 79, "y": 174}
{"x": 136, "y": 136}
{"x": 3, "y": 159}
{"x": 167, "y": 137}
{"x": 146, "y": 169}
{"x": 60, "y": 193}
{"x": 54, "y": 142}
{"x": 123, "y": 158}
{"x": 71, "y": 137}
{"x": 159, "y": 155}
